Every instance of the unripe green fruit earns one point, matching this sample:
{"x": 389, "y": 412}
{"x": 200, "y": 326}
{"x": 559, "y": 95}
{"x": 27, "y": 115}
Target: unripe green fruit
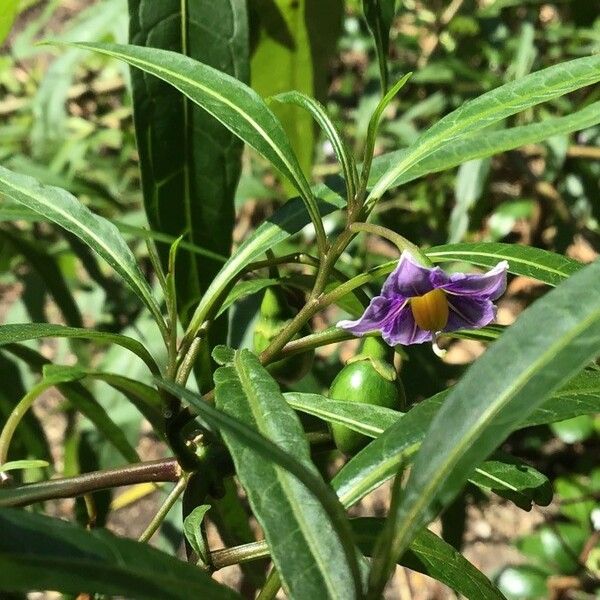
{"x": 370, "y": 381}
{"x": 275, "y": 314}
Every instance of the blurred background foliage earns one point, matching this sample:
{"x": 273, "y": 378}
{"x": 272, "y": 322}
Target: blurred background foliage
{"x": 66, "y": 118}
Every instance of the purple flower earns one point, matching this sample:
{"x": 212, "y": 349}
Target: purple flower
{"x": 417, "y": 303}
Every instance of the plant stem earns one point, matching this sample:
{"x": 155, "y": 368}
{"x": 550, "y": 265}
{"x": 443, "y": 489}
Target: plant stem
{"x": 225, "y": 557}
{"x": 153, "y": 471}
{"x": 398, "y": 240}
{"x": 159, "y": 517}
{"x": 271, "y": 587}
{"x": 16, "y": 415}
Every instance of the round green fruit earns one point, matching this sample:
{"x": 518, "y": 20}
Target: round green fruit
{"x": 370, "y": 381}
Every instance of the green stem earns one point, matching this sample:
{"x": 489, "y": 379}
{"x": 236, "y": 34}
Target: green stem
{"x": 271, "y": 587}
{"x": 398, "y": 240}
{"x": 159, "y": 517}
{"x": 225, "y": 557}
{"x": 17, "y": 415}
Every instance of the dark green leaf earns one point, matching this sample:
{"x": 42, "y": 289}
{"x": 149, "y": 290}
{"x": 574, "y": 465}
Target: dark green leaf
{"x": 513, "y": 479}
{"x": 432, "y": 556}
{"x": 190, "y": 163}
{"x": 42, "y": 553}
{"x": 476, "y": 146}
{"x": 492, "y": 107}
{"x": 516, "y": 374}
{"x": 65, "y": 210}
{"x": 234, "y": 104}
{"x": 320, "y": 568}
{"x": 540, "y": 264}
{"x": 242, "y": 437}
{"x": 381, "y": 458}
{"x": 21, "y": 332}
{"x": 576, "y": 499}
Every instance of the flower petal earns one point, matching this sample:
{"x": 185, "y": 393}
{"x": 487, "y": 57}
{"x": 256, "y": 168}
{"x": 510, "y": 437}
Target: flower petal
{"x": 490, "y": 285}
{"x": 380, "y": 310}
{"x": 467, "y": 312}
{"x": 403, "y": 329}
{"x": 411, "y": 279}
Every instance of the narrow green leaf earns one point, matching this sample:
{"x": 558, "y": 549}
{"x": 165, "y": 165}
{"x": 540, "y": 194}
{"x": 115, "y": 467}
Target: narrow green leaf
{"x": 234, "y": 104}
{"x": 499, "y": 391}
{"x": 540, "y": 264}
{"x": 319, "y": 114}
{"x": 503, "y": 474}
{"x": 192, "y": 528}
{"x": 65, "y": 210}
{"x": 43, "y": 553}
{"x": 364, "y": 418}
{"x": 245, "y": 389}
{"x": 14, "y": 465}
{"x": 380, "y": 459}
{"x": 190, "y": 163}
{"x": 492, "y": 107}
{"x": 471, "y": 147}
{"x": 379, "y": 15}
{"x": 293, "y": 43}
{"x": 432, "y": 556}
{"x": 20, "y": 332}
{"x": 82, "y": 400}
{"x": 265, "y": 454}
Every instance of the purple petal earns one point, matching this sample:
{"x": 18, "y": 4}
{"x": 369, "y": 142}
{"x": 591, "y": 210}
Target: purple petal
{"x": 489, "y": 286}
{"x": 410, "y": 278}
{"x": 468, "y": 312}
{"x": 377, "y": 314}
{"x": 403, "y": 329}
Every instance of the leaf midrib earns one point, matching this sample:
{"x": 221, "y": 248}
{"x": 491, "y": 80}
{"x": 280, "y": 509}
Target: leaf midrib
{"x": 177, "y": 76}
{"x": 282, "y": 478}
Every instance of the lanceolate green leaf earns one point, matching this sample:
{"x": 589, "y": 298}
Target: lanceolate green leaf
{"x": 317, "y": 111}
{"x": 293, "y": 44}
{"x": 505, "y": 475}
{"x": 542, "y": 265}
{"x": 65, "y": 210}
{"x": 380, "y": 459}
{"x": 241, "y": 437}
{"x": 190, "y": 163}
{"x": 498, "y": 391}
{"x": 82, "y": 400}
{"x": 491, "y": 107}
{"x": 477, "y": 146}
{"x": 20, "y": 332}
{"x": 234, "y": 104}
{"x": 43, "y": 553}
{"x": 433, "y": 556}
{"x": 320, "y": 567}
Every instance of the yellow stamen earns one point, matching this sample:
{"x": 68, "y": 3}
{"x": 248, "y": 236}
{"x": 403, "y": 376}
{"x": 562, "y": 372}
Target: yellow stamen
{"x": 430, "y": 310}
